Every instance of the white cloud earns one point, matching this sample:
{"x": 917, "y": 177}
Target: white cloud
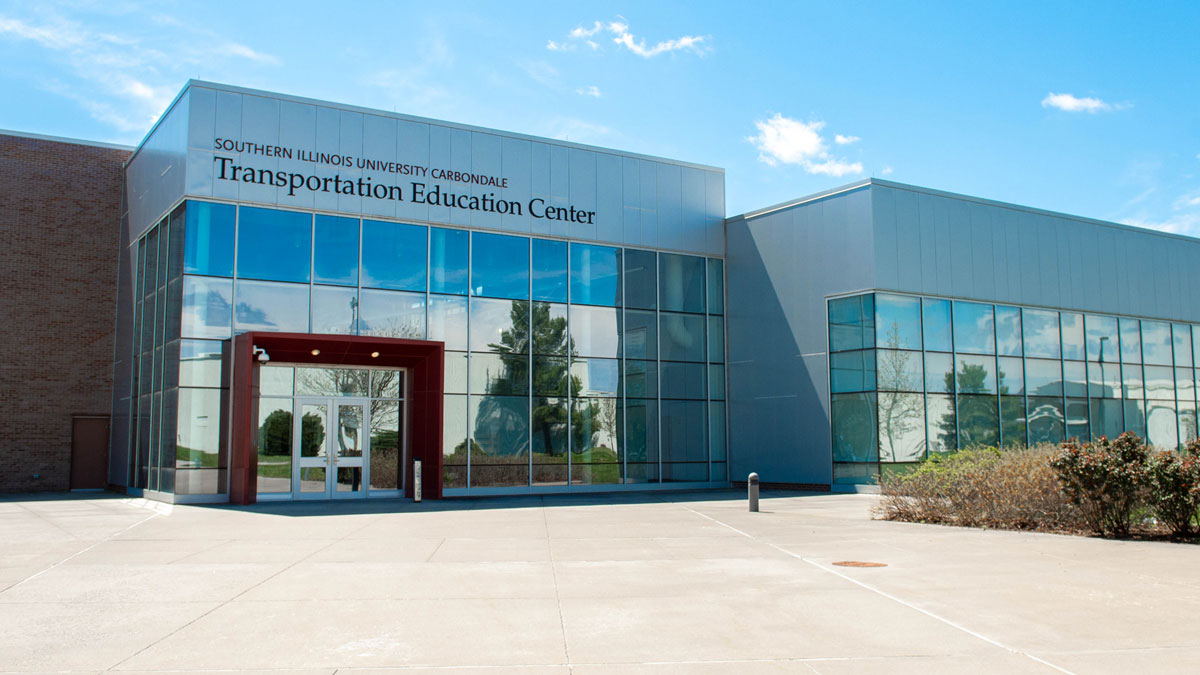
{"x": 235, "y": 49}
{"x": 578, "y": 131}
{"x": 1072, "y": 103}
{"x": 624, "y": 38}
{"x": 1180, "y": 223}
{"x": 783, "y": 140}
{"x": 845, "y": 140}
{"x": 541, "y": 72}
{"x": 886, "y": 171}
{"x": 590, "y": 90}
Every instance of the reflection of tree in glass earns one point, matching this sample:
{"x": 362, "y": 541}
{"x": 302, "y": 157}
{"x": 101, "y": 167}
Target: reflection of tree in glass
{"x": 275, "y": 434}
{"x": 978, "y": 423}
{"x": 900, "y": 414}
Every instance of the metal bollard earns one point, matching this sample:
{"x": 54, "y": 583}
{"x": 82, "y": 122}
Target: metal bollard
{"x": 752, "y": 488}
{"x": 417, "y": 481}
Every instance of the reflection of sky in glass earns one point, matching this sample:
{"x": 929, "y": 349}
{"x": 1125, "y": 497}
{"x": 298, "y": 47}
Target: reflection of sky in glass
{"x": 1156, "y": 342}
{"x": 500, "y": 266}
{"x": 549, "y": 270}
{"x": 594, "y": 275}
{"x": 974, "y": 330}
{"x": 1072, "y": 336}
{"x": 1182, "y": 336}
{"x": 897, "y": 321}
{"x": 1101, "y": 337}
{"x": 1041, "y": 333}
{"x": 270, "y": 306}
{"x": 937, "y": 324}
{"x": 207, "y": 307}
{"x": 1008, "y": 331}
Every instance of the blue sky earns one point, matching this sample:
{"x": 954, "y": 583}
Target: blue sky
{"x": 1088, "y": 108}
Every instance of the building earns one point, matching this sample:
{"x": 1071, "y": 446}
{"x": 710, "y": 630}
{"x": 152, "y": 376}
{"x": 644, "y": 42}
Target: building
{"x": 284, "y": 298}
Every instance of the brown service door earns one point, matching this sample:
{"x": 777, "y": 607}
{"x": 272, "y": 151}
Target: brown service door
{"x": 89, "y": 452}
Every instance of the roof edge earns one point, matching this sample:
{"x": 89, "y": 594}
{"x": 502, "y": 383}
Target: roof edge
{"x": 65, "y": 139}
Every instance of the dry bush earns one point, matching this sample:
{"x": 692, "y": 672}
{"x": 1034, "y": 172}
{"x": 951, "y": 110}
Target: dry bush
{"x": 985, "y": 487}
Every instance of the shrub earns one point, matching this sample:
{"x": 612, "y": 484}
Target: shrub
{"x": 1105, "y": 479}
{"x": 1174, "y": 482}
{"x": 1013, "y": 488}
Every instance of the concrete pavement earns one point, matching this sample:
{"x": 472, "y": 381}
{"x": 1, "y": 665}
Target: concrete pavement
{"x": 658, "y": 583}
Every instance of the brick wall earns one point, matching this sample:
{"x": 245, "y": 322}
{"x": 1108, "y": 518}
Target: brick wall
{"x": 60, "y": 226}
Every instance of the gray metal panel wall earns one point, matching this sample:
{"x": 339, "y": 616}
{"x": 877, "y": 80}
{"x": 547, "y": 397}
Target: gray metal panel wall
{"x": 781, "y": 266}
{"x": 939, "y": 244}
{"x": 154, "y": 176}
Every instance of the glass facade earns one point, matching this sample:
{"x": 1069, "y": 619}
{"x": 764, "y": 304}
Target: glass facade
{"x": 914, "y": 376}
{"x": 567, "y": 364}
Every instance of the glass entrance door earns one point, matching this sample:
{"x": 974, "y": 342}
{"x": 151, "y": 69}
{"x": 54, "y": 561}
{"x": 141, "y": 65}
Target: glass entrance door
{"x": 330, "y": 447}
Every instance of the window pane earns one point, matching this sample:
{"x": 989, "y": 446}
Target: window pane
{"x": 275, "y": 445}
{"x": 273, "y": 245}
{"x": 684, "y": 436}
{"x": 1074, "y": 378}
{"x": 898, "y": 370}
{"x": 854, "y": 427}
{"x": 454, "y": 441}
{"x": 275, "y": 380}
{"x": 448, "y": 321}
{"x": 1012, "y": 421}
{"x": 641, "y": 433}
{"x": 550, "y": 328}
{"x": 387, "y": 383}
{"x": 897, "y": 321}
{"x": 682, "y": 281}
{"x": 1132, "y": 384}
{"x": 1104, "y": 380}
{"x": 641, "y": 379}
{"x": 716, "y": 286}
{"x": 595, "y": 275}
{"x": 942, "y": 432}
{"x": 716, "y": 433}
{"x": 1041, "y": 333}
{"x": 1185, "y": 384}
{"x": 393, "y": 255}
{"x": 852, "y": 371}
{"x": 1181, "y": 335}
{"x": 852, "y": 323}
{"x": 936, "y": 324}
{"x": 335, "y": 250}
{"x": 500, "y": 266}
{"x": 641, "y": 279}
{"x": 716, "y": 382}
{"x": 1077, "y": 418}
{"x": 500, "y": 326}
{"x": 1011, "y": 375}
{"x": 595, "y": 377}
{"x": 1131, "y": 341}
{"x": 1102, "y": 338}
{"x": 448, "y": 261}
{"x": 549, "y": 436}
{"x": 320, "y": 381}
{"x": 1156, "y": 342}
{"x": 594, "y": 331}
{"x": 207, "y": 307}
{"x": 978, "y": 422}
{"x": 1187, "y": 422}
{"x": 1043, "y": 377}
{"x": 199, "y": 429}
{"x": 641, "y": 334}
{"x": 682, "y": 337}
{"x": 1162, "y": 427}
{"x": 267, "y": 306}
{"x": 939, "y": 372}
{"x": 392, "y": 314}
{"x": 716, "y": 339}
{"x": 1135, "y": 417}
{"x": 499, "y": 374}
{"x": 1072, "y": 336}
{"x": 200, "y": 363}
{"x": 594, "y": 439}
{"x": 334, "y": 310}
{"x": 683, "y": 380}
{"x": 1160, "y": 383}
{"x": 976, "y": 375}
{"x": 901, "y": 427}
{"x": 386, "y": 458}
{"x": 1046, "y": 420}
{"x": 974, "y": 329}
{"x": 500, "y": 440}
{"x": 455, "y": 373}
{"x": 1105, "y": 417}
{"x": 1008, "y": 331}
{"x": 549, "y": 270}
{"x": 208, "y": 247}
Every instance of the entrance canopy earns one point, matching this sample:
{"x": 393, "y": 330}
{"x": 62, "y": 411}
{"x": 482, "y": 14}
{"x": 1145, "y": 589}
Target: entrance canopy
{"x": 424, "y": 360}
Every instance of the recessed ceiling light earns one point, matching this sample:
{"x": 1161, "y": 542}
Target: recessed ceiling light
{"x": 374, "y": 355}
{"x": 316, "y": 352}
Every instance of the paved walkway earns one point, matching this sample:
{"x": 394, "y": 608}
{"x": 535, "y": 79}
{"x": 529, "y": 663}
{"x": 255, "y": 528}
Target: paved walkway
{"x": 686, "y": 583}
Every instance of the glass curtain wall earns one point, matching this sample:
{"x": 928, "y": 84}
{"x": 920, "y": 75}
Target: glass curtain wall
{"x": 567, "y": 364}
{"x": 913, "y": 376}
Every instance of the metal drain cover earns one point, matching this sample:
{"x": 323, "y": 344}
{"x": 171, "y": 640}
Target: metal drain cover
{"x": 859, "y": 563}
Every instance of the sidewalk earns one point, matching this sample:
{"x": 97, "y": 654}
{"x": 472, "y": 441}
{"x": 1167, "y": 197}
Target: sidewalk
{"x": 685, "y": 583}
